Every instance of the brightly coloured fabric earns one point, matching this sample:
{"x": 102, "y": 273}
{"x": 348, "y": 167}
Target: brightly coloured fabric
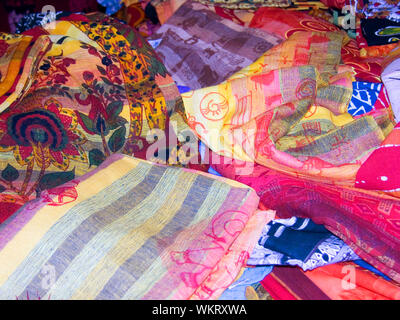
{"x": 247, "y": 4}
{"x": 365, "y": 95}
{"x": 280, "y": 239}
{"x": 130, "y": 230}
{"x": 288, "y": 111}
{"x": 75, "y": 92}
{"x": 200, "y": 49}
{"x": 366, "y": 221}
{"x": 383, "y": 9}
{"x": 285, "y": 23}
{"x": 348, "y": 281}
{"x": 380, "y": 31}
{"x": 380, "y": 170}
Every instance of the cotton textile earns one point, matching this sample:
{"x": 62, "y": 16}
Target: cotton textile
{"x": 279, "y": 245}
{"x": 365, "y": 96}
{"x": 74, "y": 92}
{"x": 130, "y": 230}
{"x": 391, "y": 79}
{"x": 247, "y": 4}
{"x": 288, "y": 112}
{"x": 366, "y": 221}
{"x": 383, "y": 9}
{"x": 348, "y": 281}
{"x": 380, "y": 31}
{"x": 200, "y": 49}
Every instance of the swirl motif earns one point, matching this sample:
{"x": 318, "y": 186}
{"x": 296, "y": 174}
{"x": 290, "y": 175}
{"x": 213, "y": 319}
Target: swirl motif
{"x": 39, "y": 126}
{"x": 214, "y": 106}
{"x": 312, "y": 25}
{"x": 306, "y": 89}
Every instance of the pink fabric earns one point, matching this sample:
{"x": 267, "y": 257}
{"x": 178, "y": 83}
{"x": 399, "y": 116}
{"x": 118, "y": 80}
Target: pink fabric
{"x": 367, "y": 221}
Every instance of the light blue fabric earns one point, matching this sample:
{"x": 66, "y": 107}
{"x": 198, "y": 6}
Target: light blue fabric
{"x": 250, "y": 276}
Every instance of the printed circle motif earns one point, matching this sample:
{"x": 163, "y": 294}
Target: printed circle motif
{"x": 214, "y": 106}
{"x": 306, "y": 89}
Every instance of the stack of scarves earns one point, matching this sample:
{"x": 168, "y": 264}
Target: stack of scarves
{"x": 131, "y": 229}
{"x": 288, "y": 112}
{"x": 280, "y": 239}
{"x": 293, "y": 125}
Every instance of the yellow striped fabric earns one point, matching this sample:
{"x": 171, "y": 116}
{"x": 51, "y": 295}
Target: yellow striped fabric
{"x": 130, "y": 229}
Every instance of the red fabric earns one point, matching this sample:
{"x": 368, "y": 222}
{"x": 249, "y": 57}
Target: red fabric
{"x": 291, "y": 283}
{"x": 348, "y": 281}
{"x": 367, "y": 221}
{"x": 7, "y": 209}
{"x": 276, "y": 289}
{"x": 381, "y": 170}
{"x": 338, "y": 4}
{"x": 284, "y": 23}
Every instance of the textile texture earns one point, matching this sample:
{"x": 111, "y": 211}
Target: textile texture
{"x": 380, "y": 31}
{"x": 200, "y": 49}
{"x": 130, "y": 230}
{"x": 72, "y": 94}
{"x": 391, "y": 79}
{"x": 348, "y": 281}
{"x": 285, "y": 23}
{"x": 366, "y": 221}
{"x": 288, "y": 112}
{"x": 247, "y": 4}
{"x": 383, "y": 9}
{"x": 279, "y": 245}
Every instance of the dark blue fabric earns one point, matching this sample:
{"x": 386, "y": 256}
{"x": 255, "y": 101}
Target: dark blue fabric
{"x": 295, "y": 242}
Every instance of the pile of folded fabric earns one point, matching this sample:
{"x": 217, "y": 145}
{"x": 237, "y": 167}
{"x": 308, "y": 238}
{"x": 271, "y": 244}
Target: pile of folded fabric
{"x": 230, "y": 150}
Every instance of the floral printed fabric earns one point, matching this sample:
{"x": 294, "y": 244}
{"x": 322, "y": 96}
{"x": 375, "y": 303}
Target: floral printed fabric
{"x": 94, "y": 88}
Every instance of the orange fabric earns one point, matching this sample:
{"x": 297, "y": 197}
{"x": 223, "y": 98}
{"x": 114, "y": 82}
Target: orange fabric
{"x": 348, "y": 281}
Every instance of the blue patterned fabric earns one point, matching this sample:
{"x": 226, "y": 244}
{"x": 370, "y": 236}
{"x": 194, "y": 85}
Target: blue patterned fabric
{"x": 299, "y": 242}
{"x": 32, "y": 20}
{"x": 364, "y": 97}
{"x": 112, "y": 6}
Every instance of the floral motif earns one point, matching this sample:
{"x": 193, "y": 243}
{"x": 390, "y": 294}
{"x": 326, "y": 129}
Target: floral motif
{"x": 106, "y": 103}
{"x": 42, "y": 137}
{"x": 53, "y": 70}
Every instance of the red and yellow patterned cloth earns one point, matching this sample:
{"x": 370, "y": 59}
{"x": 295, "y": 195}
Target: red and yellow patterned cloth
{"x": 74, "y": 93}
